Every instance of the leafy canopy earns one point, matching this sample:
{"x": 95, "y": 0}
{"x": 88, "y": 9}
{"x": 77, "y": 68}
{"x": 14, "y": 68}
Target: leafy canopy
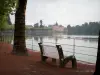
{"x": 6, "y": 7}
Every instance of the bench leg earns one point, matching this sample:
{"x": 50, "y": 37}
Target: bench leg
{"x": 61, "y": 62}
{"x": 44, "y": 58}
{"x": 53, "y": 60}
{"x": 74, "y": 63}
{"x": 66, "y": 60}
{"x": 72, "y": 59}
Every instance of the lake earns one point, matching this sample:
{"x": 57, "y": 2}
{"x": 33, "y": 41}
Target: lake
{"x": 84, "y": 49}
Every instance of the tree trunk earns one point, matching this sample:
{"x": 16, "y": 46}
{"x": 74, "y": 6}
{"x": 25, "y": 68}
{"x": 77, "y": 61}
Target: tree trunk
{"x": 97, "y": 68}
{"x": 19, "y": 32}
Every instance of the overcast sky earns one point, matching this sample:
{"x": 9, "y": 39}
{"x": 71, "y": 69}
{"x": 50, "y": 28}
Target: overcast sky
{"x": 73, "y": 12}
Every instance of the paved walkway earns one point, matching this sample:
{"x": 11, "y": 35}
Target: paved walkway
{"x": 31, "y": 65}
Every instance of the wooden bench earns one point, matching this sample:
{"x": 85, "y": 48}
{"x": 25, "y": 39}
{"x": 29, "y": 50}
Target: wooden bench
{"x": 56, "y": 52}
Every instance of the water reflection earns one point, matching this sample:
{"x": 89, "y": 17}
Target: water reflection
{"x": 6, "y": 38}
{"x": 56, "y": 40}
{"x": 91, "y": 40}
{"x": 41, "y": 39}
{"x": 36, "y": 38}
{"x": 85, "y": 38}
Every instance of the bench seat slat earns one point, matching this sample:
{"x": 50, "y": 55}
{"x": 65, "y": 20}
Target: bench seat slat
{"x": 50, "y": 51}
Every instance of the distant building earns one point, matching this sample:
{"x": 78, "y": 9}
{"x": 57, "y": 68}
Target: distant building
{"x": 58, "y": 28}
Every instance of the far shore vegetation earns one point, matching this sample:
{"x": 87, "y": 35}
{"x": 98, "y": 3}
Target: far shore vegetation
{"x": 91, "y": 28}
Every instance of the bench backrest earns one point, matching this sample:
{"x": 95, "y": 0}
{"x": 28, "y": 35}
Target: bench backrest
{"x": 51, "y": 51}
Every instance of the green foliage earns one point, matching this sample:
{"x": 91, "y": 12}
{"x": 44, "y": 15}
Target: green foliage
{"x": 6, "y": 7}
{"x": 9, "y": 27}
{"x": 2, "y": 22}
{"x": 27, "y": 27}
{"x": 36, "y": 25}
{"x": 91, "y": 28}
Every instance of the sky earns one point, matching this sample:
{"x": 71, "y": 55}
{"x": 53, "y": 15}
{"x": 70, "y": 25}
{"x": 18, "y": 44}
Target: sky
{"x": 73, "y": 12}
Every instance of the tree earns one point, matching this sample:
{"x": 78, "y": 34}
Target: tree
{"x": 91, "y": 28}
{"x": 6, "y": 7}
{"x": 41, "y": 23}
{"x": 69, "y": 29}
{"x": 19, "y": 46}
{"x": 36, "y": 25}
{"x": 56, "y": 24}
{"x": 97, "y": 68}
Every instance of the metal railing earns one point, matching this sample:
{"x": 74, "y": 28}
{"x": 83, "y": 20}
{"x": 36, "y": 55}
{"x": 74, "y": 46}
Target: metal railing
{"x": 73, "y": 50}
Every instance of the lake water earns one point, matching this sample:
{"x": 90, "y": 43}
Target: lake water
{"x": 85, "y": 46}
